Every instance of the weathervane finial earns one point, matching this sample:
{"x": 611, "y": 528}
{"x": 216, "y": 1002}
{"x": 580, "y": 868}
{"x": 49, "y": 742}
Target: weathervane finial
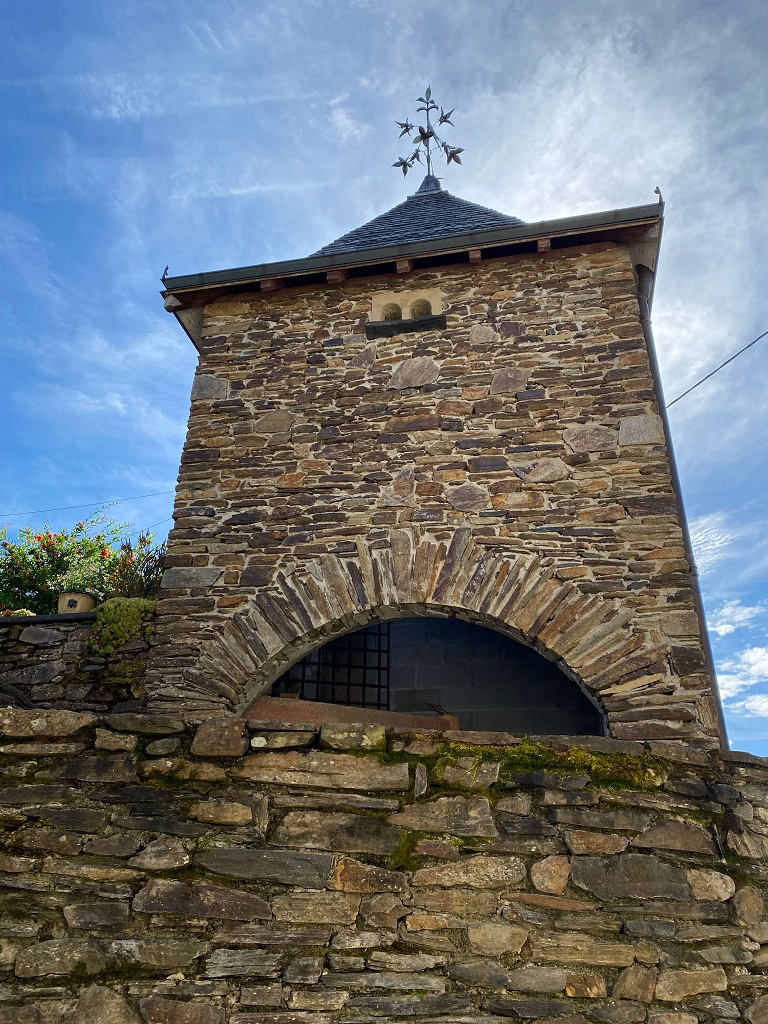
{"x": 425, "y": 135}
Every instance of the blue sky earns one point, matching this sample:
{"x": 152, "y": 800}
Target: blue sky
{"x": 221, "y": 133}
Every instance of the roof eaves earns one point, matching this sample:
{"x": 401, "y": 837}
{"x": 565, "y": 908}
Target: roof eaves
{"x": 335, "y": 261}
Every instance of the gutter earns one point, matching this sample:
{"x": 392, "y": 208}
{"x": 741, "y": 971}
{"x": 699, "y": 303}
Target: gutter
{"x": 644, "y": 293}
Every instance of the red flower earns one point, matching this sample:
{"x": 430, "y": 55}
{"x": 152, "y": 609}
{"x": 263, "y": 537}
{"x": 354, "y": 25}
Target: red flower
{"x": 105, "y": 553}
{"x": 38, "y": 536}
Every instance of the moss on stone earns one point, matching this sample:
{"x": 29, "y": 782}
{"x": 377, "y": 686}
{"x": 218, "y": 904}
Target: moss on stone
{"x": 401, "y": 858}
{"x": 612, "y": 771}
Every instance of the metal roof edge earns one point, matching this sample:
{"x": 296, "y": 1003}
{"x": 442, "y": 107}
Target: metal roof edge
{"x": 287, "y": 268}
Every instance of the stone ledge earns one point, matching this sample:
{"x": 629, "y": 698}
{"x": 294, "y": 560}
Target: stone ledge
{"x": 39, "y": 620}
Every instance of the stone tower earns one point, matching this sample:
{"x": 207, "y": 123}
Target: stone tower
{"x": 452, "y": 418}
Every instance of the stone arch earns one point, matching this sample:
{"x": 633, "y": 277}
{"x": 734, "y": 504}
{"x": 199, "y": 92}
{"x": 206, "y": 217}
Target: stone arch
{"x": 594, "y": 641}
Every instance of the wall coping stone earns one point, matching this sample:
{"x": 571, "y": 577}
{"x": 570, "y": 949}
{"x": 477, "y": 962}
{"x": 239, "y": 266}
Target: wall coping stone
{"x": 36, "y": 620}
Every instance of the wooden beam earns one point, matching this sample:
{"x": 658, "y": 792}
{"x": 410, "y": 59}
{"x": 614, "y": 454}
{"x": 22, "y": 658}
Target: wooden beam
{"x": 543, "y": 244}
{"x": 404, "y": 266}
{"x": 172, "y": 303}
{"x": 271, "y": 284}
{"x": 336, "y": 276}
{"x": 475, "y": 255}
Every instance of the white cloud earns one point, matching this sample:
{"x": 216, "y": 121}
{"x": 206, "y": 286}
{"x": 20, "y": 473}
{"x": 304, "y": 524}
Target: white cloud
{"x": 733, "y": 615}
{"x": 711, "y": 537}
{"x": 747, "y": 669}
{"x": 345, "y": 124}
{"x": 757, "y": 705}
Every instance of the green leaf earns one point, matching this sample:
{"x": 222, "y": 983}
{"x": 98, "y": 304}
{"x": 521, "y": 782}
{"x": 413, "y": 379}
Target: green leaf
{"x": 428, "y": 93}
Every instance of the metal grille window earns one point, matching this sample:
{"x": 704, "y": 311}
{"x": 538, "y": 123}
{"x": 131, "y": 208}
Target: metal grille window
{"x": 353, "y": 669}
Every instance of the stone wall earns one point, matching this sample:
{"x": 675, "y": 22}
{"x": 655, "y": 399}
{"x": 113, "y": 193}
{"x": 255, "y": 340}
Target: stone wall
{"x": 510, "y": 469}
{"x": 56, "y": 661}
{"x": 258, "y": 873}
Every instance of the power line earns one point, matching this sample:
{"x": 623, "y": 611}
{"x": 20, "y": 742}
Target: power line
{"x": 86, "y": 504}
{"x": 146, "y": 529}
{"x": 716, "y": 370}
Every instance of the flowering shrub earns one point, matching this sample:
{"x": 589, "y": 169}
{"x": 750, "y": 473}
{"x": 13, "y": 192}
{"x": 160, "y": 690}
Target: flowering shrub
{"x": 97, "y": 557}
{"x": 137, "y": 568}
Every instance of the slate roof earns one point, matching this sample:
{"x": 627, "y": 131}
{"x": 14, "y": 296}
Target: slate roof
{"x": 429, "y": 213}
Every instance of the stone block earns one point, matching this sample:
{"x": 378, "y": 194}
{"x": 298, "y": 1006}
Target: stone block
{"x": 98, "y": 916}
{"x": 232, "y": 963}
{"x": 757, "y": 1012}
{"x": 310, "y": 870}
{"x": 60, "y": 957}
{"x": 476, "y": 872}
{"x": 206, "y": 386}
{"x": 157, "y": 1010}
{"x": 646, "y": 429}
{"x": 383, "y": 910}
{"x": 182, "y": 578}
{"x": 496, "y": 938}
{"x": 221, "y": 812}
{"x": 630, "y": 876}
{"x": 199, "y": 900}
{"x": 392, "y": 980}
{"x": 468, "y": 497}
{"x": 459, "y": 903}
{"x": 343, "y": 736}
{"x": 336, "y": 831}
{"x": 320, "y": 769}
{"x": 509, "y": 380}
{"x": 551, "y": 874}
{"x": 351, "y": 875}
{"x": 710, "y": 885}
{"x": 637, "y": 983}
{"x": 579, "y": 948}
{"x": 317, "y": 908}
{"x": 456, "y": 815}
{"x": 144, "y": 724}
{"x": 288, "y": 740}
{"x": 672, "y": 985}
{"x": 469, "y": 774}
{"x": 78, "y": 819}
{"x": 107, "y": 740}
{"x": 580, "y": 841}
{"x": 531, "y": 1009}
{"x": 164, "y": 854}
{"x": 164, "y": 953}
{"x": 41, "y": 636}
{"x": 100, "y": 1005}
{"x": 544, "y": 471}
{"x": 480, "y": 974}
{"x": 676, "y": 835}
{"x": 593, "y": 438}
{"x": 106, "y": 770}
{"x": 33, "y": 724}
{"x": 276, "y": 421}
{"x": 304, "y": 971}
{"x": 748, "y": 905}
{"x": 414, "y": 373}
{"x": 220, "y": 737}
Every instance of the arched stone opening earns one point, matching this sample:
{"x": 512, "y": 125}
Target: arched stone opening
{"x": 597, "y": 641}
{"x": 445, "y": 665}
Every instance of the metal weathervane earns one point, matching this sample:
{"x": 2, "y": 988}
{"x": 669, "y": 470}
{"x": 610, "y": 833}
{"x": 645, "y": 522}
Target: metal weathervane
{"x": 426, "y": 138}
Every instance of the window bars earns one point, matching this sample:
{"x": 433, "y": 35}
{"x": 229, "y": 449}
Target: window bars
{"x": 352, "y": 669}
